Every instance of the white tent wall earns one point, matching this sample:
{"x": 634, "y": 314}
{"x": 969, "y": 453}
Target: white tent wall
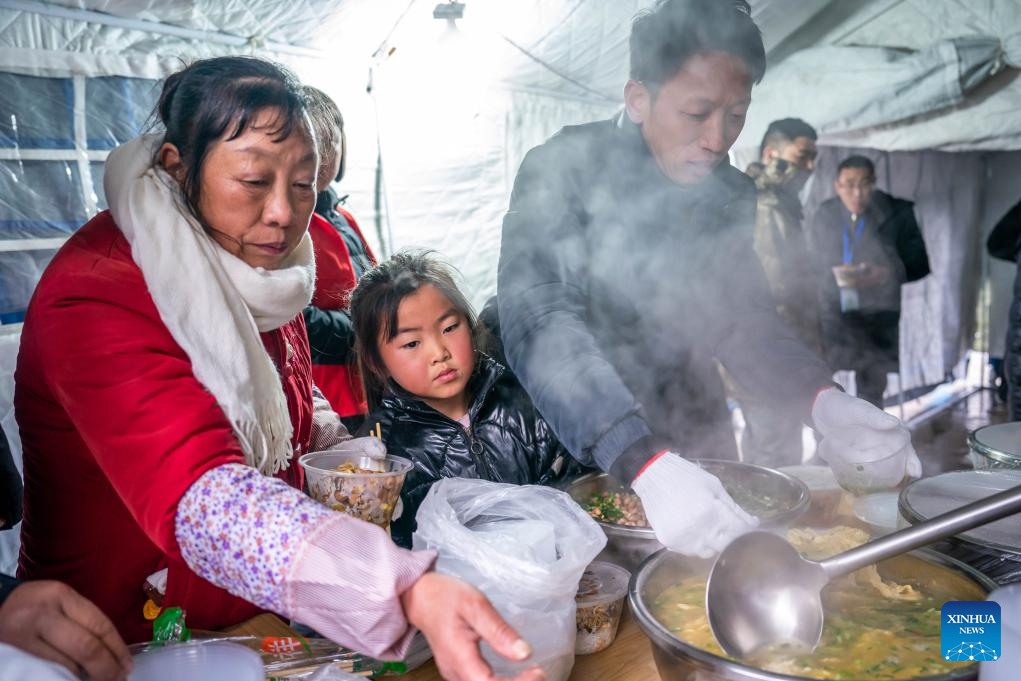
{"x": 455, "y": 123}
{"x": 899, "y": 75}
{"x": 451, "y": 144}
{"x": 570, "y": 53}
{"x": 447, "y": 185}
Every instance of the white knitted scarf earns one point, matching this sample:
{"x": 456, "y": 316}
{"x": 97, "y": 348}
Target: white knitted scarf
{"x": 213, "y": 303}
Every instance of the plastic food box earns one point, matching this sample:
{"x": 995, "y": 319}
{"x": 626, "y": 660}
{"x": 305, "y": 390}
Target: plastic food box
{"x": 600, "y": 602}
{"x": 360, "y": 486}
{"x": 277, "y": 658}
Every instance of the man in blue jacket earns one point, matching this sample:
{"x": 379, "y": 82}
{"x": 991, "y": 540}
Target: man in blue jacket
{"x": 627, "y": 272}
{"x": 872, "y": 240}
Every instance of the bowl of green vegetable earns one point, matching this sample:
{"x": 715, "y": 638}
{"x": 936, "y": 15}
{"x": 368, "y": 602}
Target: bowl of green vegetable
{"x": 775, "y": 498}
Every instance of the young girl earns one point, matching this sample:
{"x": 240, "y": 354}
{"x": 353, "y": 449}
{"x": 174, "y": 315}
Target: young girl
{"x": 440, "y": 402}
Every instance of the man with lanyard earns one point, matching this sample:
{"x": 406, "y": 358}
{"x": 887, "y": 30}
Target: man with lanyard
{"x": 868, "y": 244}
{"x": 627, "y": 272}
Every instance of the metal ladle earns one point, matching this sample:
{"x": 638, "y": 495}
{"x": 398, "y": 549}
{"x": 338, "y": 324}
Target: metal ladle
{"x": 761, "y": 592}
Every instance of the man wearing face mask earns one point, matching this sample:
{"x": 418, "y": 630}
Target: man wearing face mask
{"x": 772, "y": 433}
{"x": 867, "y": 243}
{"x": 627, "y": 273}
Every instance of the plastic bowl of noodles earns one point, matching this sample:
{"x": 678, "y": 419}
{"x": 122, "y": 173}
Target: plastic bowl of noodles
{"x": 868, "y": 633}
{"x": 775, "y": 498}
{"x": 360, "y": 486}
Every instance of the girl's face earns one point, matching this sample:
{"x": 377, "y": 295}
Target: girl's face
{"x": 257, "y": 193}
{"x": 432, "y": 355}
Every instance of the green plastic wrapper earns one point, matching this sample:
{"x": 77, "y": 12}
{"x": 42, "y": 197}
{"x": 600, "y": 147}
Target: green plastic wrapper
{"x": 169, "y": 626}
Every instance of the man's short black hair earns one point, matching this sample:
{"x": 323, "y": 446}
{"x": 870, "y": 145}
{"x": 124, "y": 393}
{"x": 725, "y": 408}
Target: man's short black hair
{"x": 785, "y": 131}
{"x": 857, "y": 162}
{"x": 664, "y": 37}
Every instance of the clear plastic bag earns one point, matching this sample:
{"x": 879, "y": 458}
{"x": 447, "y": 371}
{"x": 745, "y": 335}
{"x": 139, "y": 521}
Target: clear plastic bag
{"x": 525, "y": 547}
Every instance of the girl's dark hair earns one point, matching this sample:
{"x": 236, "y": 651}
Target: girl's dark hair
{"x": 664, "y": 37}
{"x": 375, "y": 301}
{"x": 220, "y": 97}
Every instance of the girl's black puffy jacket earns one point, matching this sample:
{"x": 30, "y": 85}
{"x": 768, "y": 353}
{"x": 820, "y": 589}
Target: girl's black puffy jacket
{"x": 508, "y": 441}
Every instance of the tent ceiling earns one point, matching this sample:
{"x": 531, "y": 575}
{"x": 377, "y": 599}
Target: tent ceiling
{"x": 570, "y": 48}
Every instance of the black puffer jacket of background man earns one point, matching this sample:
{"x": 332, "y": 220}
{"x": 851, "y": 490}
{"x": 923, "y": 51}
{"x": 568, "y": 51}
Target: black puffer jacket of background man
{"x": 507, "y": 442}
{"x": 891, "y": 238}
{"x": 619, "y": 290}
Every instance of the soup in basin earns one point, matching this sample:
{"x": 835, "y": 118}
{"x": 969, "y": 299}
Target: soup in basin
{"x": 879, "y": 624}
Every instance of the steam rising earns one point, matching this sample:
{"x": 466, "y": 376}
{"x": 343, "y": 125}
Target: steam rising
{"x": 619, "y": 291}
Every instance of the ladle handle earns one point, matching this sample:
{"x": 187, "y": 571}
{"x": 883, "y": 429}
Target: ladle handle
{"x": 964, "y": 518}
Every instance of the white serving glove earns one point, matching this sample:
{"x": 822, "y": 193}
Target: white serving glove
{"x": 371, "y": 447}
{"x": 855, "y": 432}
{"x": 688, "y": 508}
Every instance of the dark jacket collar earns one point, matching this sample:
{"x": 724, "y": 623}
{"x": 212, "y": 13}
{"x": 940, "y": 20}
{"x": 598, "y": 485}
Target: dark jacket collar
{"x": 881, "y": 208}
{"x": 328, "y": 200}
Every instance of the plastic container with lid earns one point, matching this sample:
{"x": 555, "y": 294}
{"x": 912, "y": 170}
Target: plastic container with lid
{"x": 600, "y": 602}
{"x": 993, "y": 549}
{"x": 996, "y": 446}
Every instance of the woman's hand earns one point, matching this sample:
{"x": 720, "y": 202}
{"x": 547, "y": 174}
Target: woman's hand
{"x": 52, "y": 621}
{"x": 455, "y": 617}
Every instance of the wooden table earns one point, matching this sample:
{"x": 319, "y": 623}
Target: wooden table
{"x": 266, "y": 624}
{"x": 629, "y": 658}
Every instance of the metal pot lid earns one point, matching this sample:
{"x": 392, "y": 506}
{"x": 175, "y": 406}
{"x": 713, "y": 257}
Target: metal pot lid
{"x": 929, "y": 497}
{"x": 1000, "y": 441}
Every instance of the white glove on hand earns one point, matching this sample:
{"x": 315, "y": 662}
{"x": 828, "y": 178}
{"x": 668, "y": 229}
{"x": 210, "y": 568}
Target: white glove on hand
{"x": 856, "y": 432}
{"x": 371, "y": 447}
{"x": 688, "y": 508}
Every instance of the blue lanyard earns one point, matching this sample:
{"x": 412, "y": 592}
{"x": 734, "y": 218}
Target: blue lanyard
{"x": 848, "y": 244}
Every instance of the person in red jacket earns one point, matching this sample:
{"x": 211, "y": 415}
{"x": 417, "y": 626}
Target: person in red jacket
{"x": 342, "y": 257}
{"x": 163, "y": 392}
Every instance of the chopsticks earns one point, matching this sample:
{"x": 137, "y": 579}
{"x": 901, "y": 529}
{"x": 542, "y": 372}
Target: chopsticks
{"x": 378, "y": 434}
{"x": 342, "y": 665}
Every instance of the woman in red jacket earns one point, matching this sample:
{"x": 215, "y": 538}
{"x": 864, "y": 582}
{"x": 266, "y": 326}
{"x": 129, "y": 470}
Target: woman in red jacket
{"x": 164, "y": 393}
{"x": 342, "y": 257}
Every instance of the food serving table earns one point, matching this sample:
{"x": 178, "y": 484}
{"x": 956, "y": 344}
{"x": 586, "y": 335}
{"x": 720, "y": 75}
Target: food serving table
{"x": 629, "y": 657}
